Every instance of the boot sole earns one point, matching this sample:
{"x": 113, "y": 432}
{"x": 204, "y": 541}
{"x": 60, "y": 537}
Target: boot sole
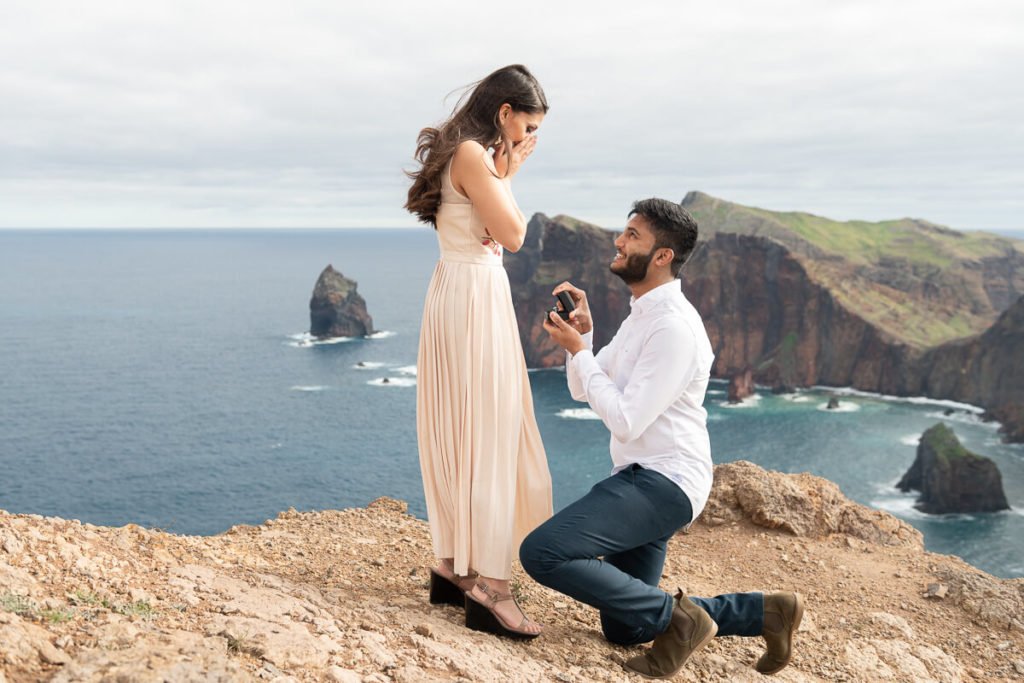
{"x": 798, "y": 614}
{"x": 703, "y": 641}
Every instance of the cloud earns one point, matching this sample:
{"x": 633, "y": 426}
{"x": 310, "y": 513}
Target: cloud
{"x": 267, "y": 114}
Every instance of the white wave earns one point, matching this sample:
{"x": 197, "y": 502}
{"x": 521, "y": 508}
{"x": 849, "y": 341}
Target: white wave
{"x": 917, "y": 400}
{"x": 381, "y": 334}
{"x": 310, "y": 387}
{"x": 901, "y": 506}
{"x": 392, "y": 382}
{"x": 407, "y": 370}
{"x": 910, "y": 439}
{"x": 578, "y": 414}
{"x": 368, "y": 365}
{"x": 305, "y": 340}
{"x": 973, "y": 419}
{"x": 749, "y": 402}
{"x": 844, "y": 407}
{"x": 715, "y": 392}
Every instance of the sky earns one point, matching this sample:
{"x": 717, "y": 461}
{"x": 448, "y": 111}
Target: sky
{"x": 304, "y": 114}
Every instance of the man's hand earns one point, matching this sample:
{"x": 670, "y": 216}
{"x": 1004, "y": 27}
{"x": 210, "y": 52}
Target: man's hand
{"x": 580, "y": 318}
{"x": 564, "y": 334}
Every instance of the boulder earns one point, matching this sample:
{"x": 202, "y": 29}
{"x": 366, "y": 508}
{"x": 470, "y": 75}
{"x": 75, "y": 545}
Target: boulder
{"x": 336, "y": 309}
{"x": 951, "y": 478}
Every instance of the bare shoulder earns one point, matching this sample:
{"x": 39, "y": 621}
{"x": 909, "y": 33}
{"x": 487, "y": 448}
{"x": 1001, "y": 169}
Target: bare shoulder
{"x": 471, "y": 165}
{"x": 472, "y": 157}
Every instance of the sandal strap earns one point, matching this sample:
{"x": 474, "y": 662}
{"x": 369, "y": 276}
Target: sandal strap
{"x": 493, "y": 596}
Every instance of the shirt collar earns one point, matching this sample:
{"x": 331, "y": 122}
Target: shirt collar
{"x": 655, "y": 296}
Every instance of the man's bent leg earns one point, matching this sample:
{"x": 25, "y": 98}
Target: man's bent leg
{"x": 626, "y": 511}
{"x": 644, "y": 563}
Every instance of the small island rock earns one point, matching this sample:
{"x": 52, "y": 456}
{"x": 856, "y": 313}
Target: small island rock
{"x": 951, "y": 478}
{"x": 336, "y": 309}
{"x": 741, "y": 386}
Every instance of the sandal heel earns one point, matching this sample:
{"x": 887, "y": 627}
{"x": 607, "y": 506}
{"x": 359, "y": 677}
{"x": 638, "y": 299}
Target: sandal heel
{"x": 444, "y": 592}
{"x": 479, "y": 618}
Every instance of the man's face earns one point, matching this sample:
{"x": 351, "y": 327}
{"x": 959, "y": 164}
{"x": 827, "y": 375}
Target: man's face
{"x": 634, "y": 249}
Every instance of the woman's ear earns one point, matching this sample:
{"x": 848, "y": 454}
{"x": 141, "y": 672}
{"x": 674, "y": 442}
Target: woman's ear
{"x": 504, "y": 111}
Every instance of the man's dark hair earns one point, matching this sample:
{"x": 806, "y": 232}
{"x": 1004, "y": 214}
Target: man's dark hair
{"x": 674, "y": 228}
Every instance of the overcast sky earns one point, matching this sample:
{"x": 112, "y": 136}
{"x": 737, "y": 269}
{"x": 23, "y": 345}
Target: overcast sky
{"x": 303, "y": 114}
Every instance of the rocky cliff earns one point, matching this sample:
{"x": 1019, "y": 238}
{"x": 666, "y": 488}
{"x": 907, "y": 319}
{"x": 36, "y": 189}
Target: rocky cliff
{"x": 986, "y": 370}
{"x": 815, "y": 310}
{"x": 555, "y": 250}
{"x": 951, "y": 478}
{"x": 336, "y": 309}
{"x": 341, "y": 596}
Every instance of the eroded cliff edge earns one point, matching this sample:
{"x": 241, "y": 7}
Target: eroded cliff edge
{"x": 341, "y": 595}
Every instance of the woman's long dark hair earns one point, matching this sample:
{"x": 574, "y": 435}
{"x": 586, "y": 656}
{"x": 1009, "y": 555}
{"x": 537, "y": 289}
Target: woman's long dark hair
{"x": 475, "y": 118}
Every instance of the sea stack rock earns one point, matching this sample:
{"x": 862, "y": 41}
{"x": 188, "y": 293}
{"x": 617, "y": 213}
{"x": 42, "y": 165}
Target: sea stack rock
{"x": 833, "y": 403}
{"x": 741, "y": 385}
{"x": 951, "y": 478}
{"x": 336, "y": 309}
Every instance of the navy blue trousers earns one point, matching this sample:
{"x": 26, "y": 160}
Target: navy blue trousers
{"x": 608, "y": 550}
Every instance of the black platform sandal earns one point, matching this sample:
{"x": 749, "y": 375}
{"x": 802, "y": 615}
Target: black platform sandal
{"x": 481, "y": 617}
{"x": 444, "y": 591}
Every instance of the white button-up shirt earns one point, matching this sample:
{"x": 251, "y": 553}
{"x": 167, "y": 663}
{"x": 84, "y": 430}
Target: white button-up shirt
{"x": 648, "y": 385}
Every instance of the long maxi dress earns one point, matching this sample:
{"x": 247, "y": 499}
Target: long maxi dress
{"x": 485, "y": 473}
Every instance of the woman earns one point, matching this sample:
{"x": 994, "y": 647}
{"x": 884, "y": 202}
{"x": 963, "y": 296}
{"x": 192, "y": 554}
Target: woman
{"x": 485, "y": 474}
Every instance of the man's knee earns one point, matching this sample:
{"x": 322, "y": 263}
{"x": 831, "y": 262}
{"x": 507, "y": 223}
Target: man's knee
{"x": 537, "y": 555}
{"x": 621, "y": 634}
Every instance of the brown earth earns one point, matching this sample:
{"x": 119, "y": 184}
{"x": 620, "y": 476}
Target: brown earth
{"x": 341, "y": 596}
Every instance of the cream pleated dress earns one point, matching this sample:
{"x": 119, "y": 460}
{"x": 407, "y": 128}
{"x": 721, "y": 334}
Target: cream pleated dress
{"x": 485, "y": 473}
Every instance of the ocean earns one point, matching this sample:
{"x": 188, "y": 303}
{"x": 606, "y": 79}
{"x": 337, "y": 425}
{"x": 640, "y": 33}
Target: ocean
{"x": 165, "y": 378}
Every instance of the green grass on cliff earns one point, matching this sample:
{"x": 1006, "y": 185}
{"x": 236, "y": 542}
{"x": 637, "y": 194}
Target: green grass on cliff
{"x": 873, "y": 268}
{"x": 943, "y": 442}
{"x": 864, "y": 242}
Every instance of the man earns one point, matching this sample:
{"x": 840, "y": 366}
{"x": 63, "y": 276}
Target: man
{"x": 648, "y": 385}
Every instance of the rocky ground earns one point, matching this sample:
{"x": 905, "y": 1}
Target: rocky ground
{"x": 341, "y": 596}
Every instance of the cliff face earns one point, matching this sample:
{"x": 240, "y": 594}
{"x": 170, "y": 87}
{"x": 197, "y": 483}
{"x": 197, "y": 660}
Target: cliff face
{"x": 556, "y": 250}
{"x": 769, "y": 305}
{"x": 336, "y": 309}
{"x": 342, "y": 596}
{"x": 919, "y": 283}
{"x": 986, "y": 370}
{"x": 951, "y": 478}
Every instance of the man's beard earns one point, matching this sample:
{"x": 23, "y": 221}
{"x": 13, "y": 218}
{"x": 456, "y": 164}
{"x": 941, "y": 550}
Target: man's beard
{"x": 635, "y": 268}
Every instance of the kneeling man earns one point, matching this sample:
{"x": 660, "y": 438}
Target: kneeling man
{"x": 648, "y": 385}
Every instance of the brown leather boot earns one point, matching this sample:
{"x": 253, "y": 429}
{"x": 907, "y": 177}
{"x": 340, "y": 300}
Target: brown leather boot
{"x": 691, "y": 629}
{"x": 782, "y": 614}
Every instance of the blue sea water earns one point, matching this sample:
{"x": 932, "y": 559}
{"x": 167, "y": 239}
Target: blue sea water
{"x": 164, "y": 378}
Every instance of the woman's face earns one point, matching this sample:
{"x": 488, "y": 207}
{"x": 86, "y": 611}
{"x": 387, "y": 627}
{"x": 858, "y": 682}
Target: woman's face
{"x": 518, "y": 124}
